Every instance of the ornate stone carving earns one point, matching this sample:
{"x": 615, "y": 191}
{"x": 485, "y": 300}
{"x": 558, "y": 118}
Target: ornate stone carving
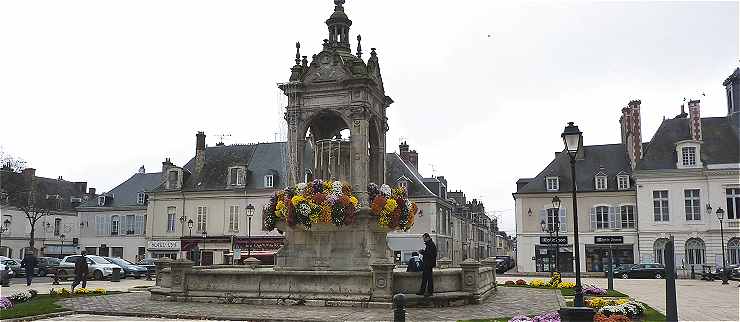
{"x": 469, "y": 279}
{"x": 380, "y": 283}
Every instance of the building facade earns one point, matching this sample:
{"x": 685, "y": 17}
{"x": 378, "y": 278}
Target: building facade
{"x": 113, "y": 224}
{"x": 689, "y": 170}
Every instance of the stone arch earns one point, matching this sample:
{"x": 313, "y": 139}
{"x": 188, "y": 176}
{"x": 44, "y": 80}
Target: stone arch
{"x": 695, "y": 251}
{"x": 659, "y": 250}
{"x": 331, "y": 160}
{"x": 733, "y": 250}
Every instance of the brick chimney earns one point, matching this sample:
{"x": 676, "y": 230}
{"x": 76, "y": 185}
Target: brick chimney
{"x": 91, "y": 192}
{"x": 695, "y": 120}
{"x": 410, "y": 156}
{"x": 200, "y": 153}
{"x": 166, "y": 165}
{"x": 631, "y": 129}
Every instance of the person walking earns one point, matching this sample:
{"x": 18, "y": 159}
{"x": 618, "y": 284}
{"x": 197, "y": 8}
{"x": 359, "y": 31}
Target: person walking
{"x": 81, "y": 270}
{"x": 29, "y": 263}
{"x": 430, "y": 261}
{"x": 415, "y": 263}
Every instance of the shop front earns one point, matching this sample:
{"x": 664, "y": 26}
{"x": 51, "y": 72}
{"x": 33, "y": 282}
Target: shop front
{"x": 163, "y": 248}
{"x": 597, "y": 254}
{"x": 546, "y": 251}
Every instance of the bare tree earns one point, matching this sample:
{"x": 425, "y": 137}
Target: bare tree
{"x": 22, "y": 193}
{"x": 11, "y": 163}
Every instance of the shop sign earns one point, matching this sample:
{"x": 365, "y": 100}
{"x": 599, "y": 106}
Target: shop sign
{"x": 608, "y": 239}
{"x": 163, "y": 245}
{"x": 547, "y": 240}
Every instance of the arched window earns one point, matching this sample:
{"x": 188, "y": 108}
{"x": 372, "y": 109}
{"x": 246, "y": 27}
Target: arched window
{"x": 695, "y": 251}
{"x": 114, "y": 224}
{"x": 659, "y": 250}
{"x": 733, "y": 250}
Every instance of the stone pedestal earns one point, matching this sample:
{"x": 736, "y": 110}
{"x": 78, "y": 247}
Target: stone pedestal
{"x": 180, "y": 270}
{"x": 490, "y": 262}
{"x": 470, "y": 277}
{"x": 159, "y": 265}
{"x": 327, "y": 247}
{"x": 382, "y": 283}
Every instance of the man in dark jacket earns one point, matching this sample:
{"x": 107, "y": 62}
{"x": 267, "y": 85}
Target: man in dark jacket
{"x": 415, "y": 263}
{"x": 430, "y": 261}
{"x": 29, "y": 262}
{"x": 81, "y": 271}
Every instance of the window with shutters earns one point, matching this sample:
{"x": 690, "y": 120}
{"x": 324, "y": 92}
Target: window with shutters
{"x": 552, "y": 219}
{"x": 202, "y": 218}
{"x": 171, "y": 213}
{"x": 692, "y": 204}
{"x": 234, "y": 218}
{"x": 660, "y": 205}
{"x": 602, "y": 217}
{"x": 130, "y": 224}
{"x": 114, "y": 225}
{"x": 733, "y": 203}
{"x": 627, "y": 216}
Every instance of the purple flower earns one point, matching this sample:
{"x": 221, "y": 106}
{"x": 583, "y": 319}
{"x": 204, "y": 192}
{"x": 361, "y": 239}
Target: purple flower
{"x": 5, "y": 303}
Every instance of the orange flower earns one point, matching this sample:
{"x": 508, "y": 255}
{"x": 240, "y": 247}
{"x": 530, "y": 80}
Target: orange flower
{"x": 378, "y": 204}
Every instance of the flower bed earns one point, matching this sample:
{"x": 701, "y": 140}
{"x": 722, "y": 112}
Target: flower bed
{"x": 547, "y": 317}
{"x": 63, "y": 292}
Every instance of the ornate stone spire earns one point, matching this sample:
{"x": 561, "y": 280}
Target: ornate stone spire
{"x": 359, "y": 47}
{"x": 339, "y": 25}
{"x": 297, "y": 53}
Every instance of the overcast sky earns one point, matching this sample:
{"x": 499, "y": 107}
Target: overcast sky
{"x": 91, "y": 90}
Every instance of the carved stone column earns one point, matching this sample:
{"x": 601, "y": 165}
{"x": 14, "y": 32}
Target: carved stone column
{"x": 491, "y": 262}
{"x": 382, "y": 283}
{"x": 159, "y": 265}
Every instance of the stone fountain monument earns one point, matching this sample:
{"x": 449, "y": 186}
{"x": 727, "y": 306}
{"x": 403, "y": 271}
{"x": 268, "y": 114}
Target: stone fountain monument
{"x": 336, "y": 94}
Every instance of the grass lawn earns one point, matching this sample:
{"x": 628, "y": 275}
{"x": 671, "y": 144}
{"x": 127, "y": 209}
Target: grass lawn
{"x": 41, "y": 304}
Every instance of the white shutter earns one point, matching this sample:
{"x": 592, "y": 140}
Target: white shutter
{"x": 612, "y": 218}
{"x": 106, "y": 225}
{"x": 618, "y": 215}
{"x": 563, "y": 220}
{"x": 593, "y": 218}
{"x": 99, "y": 225}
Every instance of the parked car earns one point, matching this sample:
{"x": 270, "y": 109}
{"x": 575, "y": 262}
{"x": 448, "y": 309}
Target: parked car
{"x": 651, "y": 270}
{"x": 501, "y": 266}
{"x": 48, "y": 265}
{"x": 618, "y": 269}
{"x": 98, "y": 267}
{"x": 148, "y": 263}
{"x": 128, "y": 268}
{"x": 15, "y": 266}
{"x": 507, "y": 260}
{"x": 733, "y": 271}
{"x": 3, "y": 266}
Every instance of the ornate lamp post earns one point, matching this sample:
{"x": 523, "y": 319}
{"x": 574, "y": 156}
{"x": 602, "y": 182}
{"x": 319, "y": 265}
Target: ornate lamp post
{"x": 61, "y": 247}
{"x": 556, "y": 228}
{"x": 573, "y": 140}
{"x": 721, "y": 216}
{"x": 250, "y": 212}
{"x": 190, "y": 226}
{"x": 204, "y": 235}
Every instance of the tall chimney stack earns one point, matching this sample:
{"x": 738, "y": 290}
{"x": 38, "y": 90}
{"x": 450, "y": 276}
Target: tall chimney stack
{"x": 200, "y": 153}
{"x": 410, "y": 156}
{"x": 632, "y": 131}
{"x": 695, "y": 120}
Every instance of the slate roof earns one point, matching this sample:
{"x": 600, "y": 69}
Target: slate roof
{"x": 126, "y": 193}
{"x": 612, "y": 157}
{"x": 13, "y": 181}
{"x": 720, "y": 144}
{"x": 395, "y": 167}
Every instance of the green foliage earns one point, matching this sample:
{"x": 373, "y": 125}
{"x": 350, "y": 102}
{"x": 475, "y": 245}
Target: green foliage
{"x": 41, "y": 304}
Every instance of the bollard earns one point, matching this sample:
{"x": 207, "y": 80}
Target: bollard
{"x": 5, "y": 278}
{"x": 399, "y": 308}
{"x": 116, "y": 276}
{"x": 148, "y": 275}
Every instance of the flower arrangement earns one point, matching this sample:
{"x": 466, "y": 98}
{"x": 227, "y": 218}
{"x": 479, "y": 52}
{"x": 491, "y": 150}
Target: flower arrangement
{"x": 612, "y": 318}
{"x": 547, "y": 317}
{"x": 597, "y": 302}
{"x": 6, "y": 303}
{"x": 510, "y": 283}
{"x": 392, "y": 206}
{"x": 566, "y": 285}
{"x": 101, "y": 291}
{"x": 537, "y": 283}
{"x": 631, "y": 309}
{"x": 21, "y": 297}
{"x": 555, "y": 279}
{"x": 521, "y": 282}
{"x": 594, "y": 290}
{"x": 59, "y": 292}
{"x": 82, "y": 291}
{"x": 317, "y": 202}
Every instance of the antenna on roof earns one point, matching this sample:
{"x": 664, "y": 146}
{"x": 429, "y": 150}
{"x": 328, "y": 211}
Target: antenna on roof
{"x": 433, "y": 170}
{"x": 221, "y": 138}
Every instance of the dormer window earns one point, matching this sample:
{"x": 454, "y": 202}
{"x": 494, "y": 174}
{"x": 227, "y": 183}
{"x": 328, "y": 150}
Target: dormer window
{"x": 403, "y": 182}
{"x": 173, "y": 179}
{"x": 268, "y": 181}
{"x": 601, "y": 182}
{"x": 688, "y": 154}
{"x": 236, "y": 176}
{"x": 140, "y": 198}
{"x": 552, "y": 183}
{"x": 623, "y": 182}
{"x": 101, "y": 201}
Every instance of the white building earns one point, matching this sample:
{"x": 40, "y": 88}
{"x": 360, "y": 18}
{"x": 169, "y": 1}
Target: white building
{"x": 113, "y": 223}
{"x": 690, "y": 169}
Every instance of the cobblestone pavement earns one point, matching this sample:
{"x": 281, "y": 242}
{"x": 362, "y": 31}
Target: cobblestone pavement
{"x": 697, "y": 300}
{"x": 505, "y": 303}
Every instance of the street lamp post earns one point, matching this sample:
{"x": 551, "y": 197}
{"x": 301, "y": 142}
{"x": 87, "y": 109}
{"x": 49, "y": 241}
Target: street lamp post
{"x": 190, "y": 226}
{"x": 573, "y": 140}
{"x": 548, "y": 229}
{"x": 204, "y": 235}
{"x": 721, "y": 216}
{"x": 250, "y": 212}
{"x": 556, "y": 228}
{"x": 61, "y": 247}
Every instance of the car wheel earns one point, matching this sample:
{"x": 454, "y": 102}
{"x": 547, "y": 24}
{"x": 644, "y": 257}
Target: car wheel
{"x": 98, "y": 275}
{"x": 62, "y": 274}
{"x": 42, "y": 273}
{"x": 625, "y": 276}
{"x": 658, "y": 276}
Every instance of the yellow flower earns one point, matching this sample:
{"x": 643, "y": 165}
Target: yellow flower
{"x": 390, "y": 205}
{"x": 622, "y": 301}
{"x": 297, "y": 199}
{"x": 536, "y": 283}
{"x": 353, "y": 200}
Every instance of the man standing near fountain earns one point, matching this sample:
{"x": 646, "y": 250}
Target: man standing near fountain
{"x": 430, "y": 261}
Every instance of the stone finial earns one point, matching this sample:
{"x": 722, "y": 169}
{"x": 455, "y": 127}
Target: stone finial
{"x": 304, "y": 62}
{"x": 338, "y": 4}
{"x": 297, "y": 53}
{"x": 359, "y": 46}
{"x": 326, "y": 44}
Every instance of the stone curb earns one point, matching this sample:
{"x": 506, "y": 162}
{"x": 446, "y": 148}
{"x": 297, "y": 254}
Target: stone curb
{"x": 40, "y": 316}
{"x": 192, "y": 316}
